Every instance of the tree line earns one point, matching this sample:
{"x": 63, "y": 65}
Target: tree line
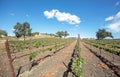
{"x": 25, "y": 30}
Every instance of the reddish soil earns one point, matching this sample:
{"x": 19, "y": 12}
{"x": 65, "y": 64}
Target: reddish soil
{"x": 93, "y": 66}
{"x": 52, "y": 66}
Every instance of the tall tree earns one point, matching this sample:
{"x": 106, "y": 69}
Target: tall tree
{"x": 22, "y": 29}
{"x": 3, "y": 33}
{"x": 17, "y": 30}
{"x": 102, "y": 33}
{"x": 26, "y": 29}
{"x": 60, "y": 34}
{"x": 65, "y": 34}
{"x": 29, "y": 32}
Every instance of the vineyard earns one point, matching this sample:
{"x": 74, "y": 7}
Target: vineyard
{"x": 108, "y": 51}
{"x": 60, "y": 38}
{"x": 37, "y": 46}
{"x": 112, "y": 46}
{"x": 28, "y": 53}
{"x": 69, "y": 56}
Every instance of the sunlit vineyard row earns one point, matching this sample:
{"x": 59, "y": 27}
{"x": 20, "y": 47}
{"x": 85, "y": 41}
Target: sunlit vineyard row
{"x": 17, "y": 46}
{"x": 112, "y": 46}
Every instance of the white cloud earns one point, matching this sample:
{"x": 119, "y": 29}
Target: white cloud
{"x": 117, "y": 16}
{"x": 117, "y": 3}
{"x": 62, "y": 16}
{"x": 109, "y": 18}
{"x": 114, "y": 17}
{"x": 50, "y": 14}
{"x": 115, "y": 25}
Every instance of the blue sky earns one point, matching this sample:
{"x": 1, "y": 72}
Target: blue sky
{"x": 75, "y": 16}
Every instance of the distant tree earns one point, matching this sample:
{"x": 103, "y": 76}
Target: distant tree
{"x": 26, "y": 31}
{"x": 22, "y": 29}
{"x": 102, "y": 33}
{"x": 17, "y": 30}
{"x": 60, "y": 34}
{"x": 29, "y": 32}
{"x": 65, "y": 34}
{"x": 3, "y": 33}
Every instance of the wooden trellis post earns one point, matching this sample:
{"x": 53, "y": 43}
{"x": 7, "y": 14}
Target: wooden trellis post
{"x": 78, "y": 39}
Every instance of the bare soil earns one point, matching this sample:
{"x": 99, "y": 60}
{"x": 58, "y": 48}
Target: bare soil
{"x": 94, "y": 66}
{"x": 56, "y": 64}
{"x": 52, "y": 66}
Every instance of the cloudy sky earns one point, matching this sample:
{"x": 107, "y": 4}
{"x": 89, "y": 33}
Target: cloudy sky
{"x": 75, "y": 16}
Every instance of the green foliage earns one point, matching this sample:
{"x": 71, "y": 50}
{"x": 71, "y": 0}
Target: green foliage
{"x": 77, "y": 51}
{"x": 17, "y": 30}
{"x": 65, "y": 34}
{"x": 19, "y": 48}
{"x": 19, "y": 45}
{"x": 22, "y": 29}
{"x": 49, "y": 44}
{"x": 77, "y": 66}
{"x": 78, "y": 62}
{"x": 33, "y": 55}
{"x": 102, "y": 33}
{"x": 55, "y": 46}
{"x": 62, "y": 33}
{"x": 50, "y": 49}
{"x": 50, "y": 41}
{"x": 77, "y": 48}
{"x": 111, "y": 46}
{"x": 59, "y": 34}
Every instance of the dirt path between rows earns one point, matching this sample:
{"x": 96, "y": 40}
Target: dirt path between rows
{"x": 52, "y": 66}
{"x": 93, "y": 66}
